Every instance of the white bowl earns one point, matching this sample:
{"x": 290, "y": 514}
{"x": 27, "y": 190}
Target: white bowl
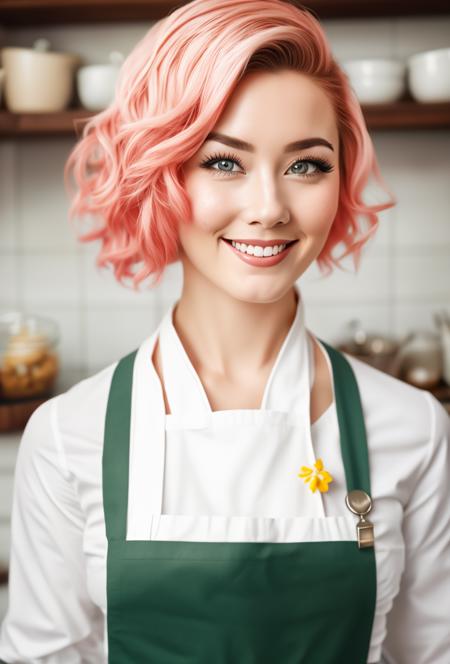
{"x": 96, "y": 85}
{"x": 376, "y": 80}
{"x": 429, "y": 75}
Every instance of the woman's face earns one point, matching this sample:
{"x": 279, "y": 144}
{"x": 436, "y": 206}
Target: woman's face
{"x": 265, "y": 191}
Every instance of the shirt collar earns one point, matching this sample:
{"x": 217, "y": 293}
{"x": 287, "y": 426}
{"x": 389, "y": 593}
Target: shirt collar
{"x": 185, "y": 393}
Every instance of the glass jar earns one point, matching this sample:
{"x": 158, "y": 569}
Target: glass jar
{"x": 29, "y": 362}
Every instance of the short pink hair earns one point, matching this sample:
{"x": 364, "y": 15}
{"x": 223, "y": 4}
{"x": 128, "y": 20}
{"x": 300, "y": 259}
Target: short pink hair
{"x": 171, "y": 91}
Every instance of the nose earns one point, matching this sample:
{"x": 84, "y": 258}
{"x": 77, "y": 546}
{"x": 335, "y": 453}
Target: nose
{"x": 265, "y": 203}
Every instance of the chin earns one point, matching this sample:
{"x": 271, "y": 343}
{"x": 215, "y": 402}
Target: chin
{"x": 256, "y": 290}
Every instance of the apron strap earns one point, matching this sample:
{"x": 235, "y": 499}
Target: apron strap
{"x": 116, "y": 449}
{"x": 351, "y": 422}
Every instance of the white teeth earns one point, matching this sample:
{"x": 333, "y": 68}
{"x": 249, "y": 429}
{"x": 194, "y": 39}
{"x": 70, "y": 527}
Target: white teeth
{"x": 257, "y": 250}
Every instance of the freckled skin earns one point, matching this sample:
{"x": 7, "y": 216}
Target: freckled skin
{"x": 233, "y": 317}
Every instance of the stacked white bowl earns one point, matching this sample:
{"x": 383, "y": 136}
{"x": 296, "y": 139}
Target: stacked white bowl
{"x": 429, "y": 75}
{"x": 376, "y": 80}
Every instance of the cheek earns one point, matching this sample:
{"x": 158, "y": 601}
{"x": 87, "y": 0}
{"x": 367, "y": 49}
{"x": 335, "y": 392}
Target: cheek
{"x": 319, "y": 208}
{"x": 209, "y": 206}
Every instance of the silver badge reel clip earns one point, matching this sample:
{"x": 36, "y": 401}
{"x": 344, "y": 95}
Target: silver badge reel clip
{"x": 360, "y": 503}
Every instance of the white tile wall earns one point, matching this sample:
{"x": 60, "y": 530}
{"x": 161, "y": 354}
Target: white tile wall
{"x": 404, "y": 274}
{"x": 417, "y": 33}
{"x": 356, "y": 38}
{"x": 8, "y": 195}
{"x": 416, "y": 166}
{"x": 92, "y": 42}
{"x": 112, "y": 331}
{"x": 9, "y": 281}
{"x": 50, "y": 277}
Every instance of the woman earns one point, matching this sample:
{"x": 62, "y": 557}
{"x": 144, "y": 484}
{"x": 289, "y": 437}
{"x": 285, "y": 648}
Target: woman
{"x": 195, "y": 501}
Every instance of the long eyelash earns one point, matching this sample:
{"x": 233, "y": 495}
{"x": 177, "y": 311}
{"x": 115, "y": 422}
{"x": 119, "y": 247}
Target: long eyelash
{"x": 209, "y": 161}
{"x": 322, "y": 164}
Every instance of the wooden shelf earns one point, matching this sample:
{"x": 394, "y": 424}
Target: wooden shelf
{"x": 15, "y": 413}
{"x": 15, "y": 125}
{"x": 405, "y": 115}
{"x": 34, "y": 12}
{"x": 3, "y": 575}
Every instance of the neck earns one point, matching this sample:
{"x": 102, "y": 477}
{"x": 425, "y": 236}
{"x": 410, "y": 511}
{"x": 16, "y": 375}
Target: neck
{"x": 227, "y": 337}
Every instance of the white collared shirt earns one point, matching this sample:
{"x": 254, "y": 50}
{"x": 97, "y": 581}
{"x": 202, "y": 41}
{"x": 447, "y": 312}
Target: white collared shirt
{"x": 217, "y": 463}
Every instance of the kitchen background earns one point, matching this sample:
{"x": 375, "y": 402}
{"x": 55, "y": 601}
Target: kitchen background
{"x": 403, "y": 280}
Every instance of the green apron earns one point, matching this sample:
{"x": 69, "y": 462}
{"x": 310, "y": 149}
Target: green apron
{"x": 191, "y": 602}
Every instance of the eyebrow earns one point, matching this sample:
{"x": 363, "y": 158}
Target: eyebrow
{"x": 243, "y": 145}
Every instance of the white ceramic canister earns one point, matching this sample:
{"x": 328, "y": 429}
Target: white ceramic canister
{"x": 37, "y": 80}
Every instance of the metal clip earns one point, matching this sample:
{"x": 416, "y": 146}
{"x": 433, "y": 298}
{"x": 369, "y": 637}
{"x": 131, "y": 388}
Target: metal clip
{"x": 360, "y": 503}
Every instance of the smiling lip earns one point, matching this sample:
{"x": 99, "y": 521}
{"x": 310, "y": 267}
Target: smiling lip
{"x": 260, "y": 261}
{"x": 259, "y": 243}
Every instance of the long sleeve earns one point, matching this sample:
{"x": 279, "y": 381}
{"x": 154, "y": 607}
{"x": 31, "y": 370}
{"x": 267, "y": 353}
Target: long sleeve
{"x": 418, "y": 625}
{"x": 50, "y": 619}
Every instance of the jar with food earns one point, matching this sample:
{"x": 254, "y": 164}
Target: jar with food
{"x": 28, "y": 358}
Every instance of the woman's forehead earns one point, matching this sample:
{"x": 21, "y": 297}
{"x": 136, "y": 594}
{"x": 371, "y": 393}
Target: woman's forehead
{"x": 284, "y": 106}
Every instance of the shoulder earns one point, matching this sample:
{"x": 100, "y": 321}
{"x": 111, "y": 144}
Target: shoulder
{"x": 69, "y": 425}
{"x": 396, "y": 408}
{"x": 378, "y": 386}
{"x": 408, "y": 432}
{"x": 82, "y": 408}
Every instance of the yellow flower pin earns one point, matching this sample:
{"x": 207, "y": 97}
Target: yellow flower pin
{"x": 318, "y": 477}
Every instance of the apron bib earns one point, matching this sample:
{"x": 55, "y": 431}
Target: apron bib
{"x": 237, "y": 602}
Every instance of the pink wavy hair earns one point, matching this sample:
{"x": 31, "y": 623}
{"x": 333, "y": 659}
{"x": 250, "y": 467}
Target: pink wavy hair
{"x": 170, "y": 93}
